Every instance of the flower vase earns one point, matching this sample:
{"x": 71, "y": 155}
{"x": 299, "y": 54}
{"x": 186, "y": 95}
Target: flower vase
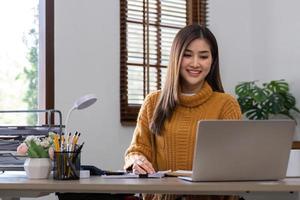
{"x": 37, "y": 168}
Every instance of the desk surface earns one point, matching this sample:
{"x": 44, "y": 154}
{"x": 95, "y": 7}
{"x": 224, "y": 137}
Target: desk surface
{"x": 16, "y": 182}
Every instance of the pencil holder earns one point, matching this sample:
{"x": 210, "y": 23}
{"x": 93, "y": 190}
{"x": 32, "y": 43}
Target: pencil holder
{"x": 66, "y": 165}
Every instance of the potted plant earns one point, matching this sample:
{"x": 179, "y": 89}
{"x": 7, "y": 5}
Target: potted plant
{"x": 39, "y": 151}
{"x": 272, "y": 98}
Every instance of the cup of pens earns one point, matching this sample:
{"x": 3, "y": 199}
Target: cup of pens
{"x": 67, "y": 161}
{"x": 66, "y": 165}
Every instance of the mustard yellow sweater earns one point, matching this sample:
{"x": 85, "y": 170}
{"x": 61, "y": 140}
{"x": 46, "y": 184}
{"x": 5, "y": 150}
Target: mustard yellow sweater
{"x": 175, "y": 144}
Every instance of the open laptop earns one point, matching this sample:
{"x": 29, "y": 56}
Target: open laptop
{"x": 229, "y": 150}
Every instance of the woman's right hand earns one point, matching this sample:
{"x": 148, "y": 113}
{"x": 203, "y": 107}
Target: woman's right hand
{"x": 142, "y": 166}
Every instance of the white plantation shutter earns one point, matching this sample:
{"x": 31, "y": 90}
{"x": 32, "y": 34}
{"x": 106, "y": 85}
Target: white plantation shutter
{"x": 147, "y": 30}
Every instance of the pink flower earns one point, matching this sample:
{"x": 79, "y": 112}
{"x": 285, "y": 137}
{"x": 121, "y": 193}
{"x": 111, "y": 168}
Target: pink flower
{"x": 22, "y": 149}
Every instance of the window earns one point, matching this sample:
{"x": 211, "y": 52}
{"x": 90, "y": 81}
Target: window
{"x": 26, "y": 59}
{"x": 147, "y": 30}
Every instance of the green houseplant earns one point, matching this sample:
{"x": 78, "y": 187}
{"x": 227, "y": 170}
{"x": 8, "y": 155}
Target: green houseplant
{"x": 272, "y": 98}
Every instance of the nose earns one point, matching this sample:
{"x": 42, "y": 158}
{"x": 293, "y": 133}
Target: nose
{"x": 195, "y": 61}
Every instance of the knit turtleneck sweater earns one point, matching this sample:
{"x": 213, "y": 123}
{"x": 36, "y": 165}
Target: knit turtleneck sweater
{"x": 174, "y": 146}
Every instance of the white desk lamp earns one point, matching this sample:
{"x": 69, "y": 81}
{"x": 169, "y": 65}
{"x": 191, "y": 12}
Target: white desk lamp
{"x": 81, "y": 103}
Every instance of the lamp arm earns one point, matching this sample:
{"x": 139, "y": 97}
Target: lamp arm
{"x": 67, "y": 119}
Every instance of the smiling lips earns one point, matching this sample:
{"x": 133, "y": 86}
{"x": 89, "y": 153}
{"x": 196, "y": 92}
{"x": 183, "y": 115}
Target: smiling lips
{"x": 194, "y": 72}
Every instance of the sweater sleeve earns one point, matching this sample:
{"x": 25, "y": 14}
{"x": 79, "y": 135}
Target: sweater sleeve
{"x": 141, "y": 141}
{"x": 231, "y": 109}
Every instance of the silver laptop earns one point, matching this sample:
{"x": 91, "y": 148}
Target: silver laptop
{"x": 229, "y": 150}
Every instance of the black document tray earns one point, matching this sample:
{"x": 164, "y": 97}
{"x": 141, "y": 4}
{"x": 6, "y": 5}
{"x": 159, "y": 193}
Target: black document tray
{"x": 7, "y": 131}
{"x": 32, "y": 130}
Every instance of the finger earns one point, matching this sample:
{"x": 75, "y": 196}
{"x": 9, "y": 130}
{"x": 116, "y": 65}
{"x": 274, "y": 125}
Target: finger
{"x": 148, "y": 167}
{"x": 137, "y": 169}
{"x": 145, "y": 165}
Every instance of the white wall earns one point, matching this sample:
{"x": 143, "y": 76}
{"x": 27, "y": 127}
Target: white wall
{"x": 258, "y": 40}
{"x": 87, "y": 61}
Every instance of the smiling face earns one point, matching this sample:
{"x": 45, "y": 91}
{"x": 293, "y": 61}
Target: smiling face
{"x": 195, "y": 66}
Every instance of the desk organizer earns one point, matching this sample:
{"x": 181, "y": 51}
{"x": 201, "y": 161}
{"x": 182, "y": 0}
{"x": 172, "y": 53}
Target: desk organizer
{"x": 66, "y": 165}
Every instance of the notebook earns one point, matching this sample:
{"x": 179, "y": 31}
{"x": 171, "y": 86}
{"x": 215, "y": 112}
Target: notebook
{"x": 246, "y": 150}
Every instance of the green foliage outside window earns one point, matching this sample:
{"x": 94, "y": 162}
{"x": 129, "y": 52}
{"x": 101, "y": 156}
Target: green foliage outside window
{"x": 31, "y": 75}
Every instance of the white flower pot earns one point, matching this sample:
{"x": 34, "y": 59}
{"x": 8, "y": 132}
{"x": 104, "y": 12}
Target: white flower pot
{"x": 37, "y": 168}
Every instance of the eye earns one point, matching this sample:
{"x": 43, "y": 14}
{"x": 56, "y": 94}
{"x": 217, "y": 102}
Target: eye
{"x": 187, "y": 55}
{"x": 203, "y": 57}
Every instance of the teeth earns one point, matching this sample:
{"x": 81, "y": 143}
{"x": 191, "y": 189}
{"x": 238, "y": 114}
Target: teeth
{"x": 194, "y": 71}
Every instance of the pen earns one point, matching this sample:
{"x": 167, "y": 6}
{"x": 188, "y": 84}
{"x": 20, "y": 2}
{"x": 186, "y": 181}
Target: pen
{"x": 76, "y": 141}
{"x": 68, "y": 141}
{"x": 62, "y": 141}
{"x": 56, "y": 143}
{"x": 72, "y": 160}
{"x": 77, "y": 138}
{"x": 78, "y": 151}
{"x": 73, "y": 141}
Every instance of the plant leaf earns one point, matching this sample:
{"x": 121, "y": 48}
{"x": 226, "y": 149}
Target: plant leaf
{"x": 32, "y": 153}
{"x": 276, "y": 103}
{"x": 243, "y": 89}
{"x": 289, "y": 101}
{"x": 37, "y": 151}
{"x": 257, "y": 113}
{"x": 258, "y": 94}
{"x": 278, "y": 86}
{"x": 246, "y": 103}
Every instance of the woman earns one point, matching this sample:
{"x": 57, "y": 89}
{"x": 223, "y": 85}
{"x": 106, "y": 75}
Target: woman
{"x": 164, "y": 137}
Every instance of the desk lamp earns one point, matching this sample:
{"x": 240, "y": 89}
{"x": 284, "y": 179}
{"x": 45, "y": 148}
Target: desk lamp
{"x": 81, "y": 103}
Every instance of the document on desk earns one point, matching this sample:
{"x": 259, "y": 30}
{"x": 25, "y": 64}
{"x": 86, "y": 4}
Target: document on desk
{"x": 159, "y": 174}
{"x": 179, "y": 173}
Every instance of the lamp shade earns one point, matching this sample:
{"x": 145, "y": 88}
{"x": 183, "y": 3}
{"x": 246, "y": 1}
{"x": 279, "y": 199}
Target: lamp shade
{"x": 85, "y": 101}
{"x": 81, "y": 103}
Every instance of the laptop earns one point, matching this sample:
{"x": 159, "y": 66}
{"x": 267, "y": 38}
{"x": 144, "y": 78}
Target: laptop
{"x": 244, "y": 150}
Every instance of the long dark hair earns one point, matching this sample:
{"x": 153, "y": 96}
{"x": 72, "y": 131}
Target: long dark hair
{"x": 170, "y": 92}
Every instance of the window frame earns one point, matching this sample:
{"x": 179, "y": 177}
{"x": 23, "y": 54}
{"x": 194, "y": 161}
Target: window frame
{"x": 196, "y": 13}
{"x": 46, "y": 59}
{"x": 49, "y": 56}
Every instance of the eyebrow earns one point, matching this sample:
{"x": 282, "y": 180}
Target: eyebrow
{"x": 205, "y": 51}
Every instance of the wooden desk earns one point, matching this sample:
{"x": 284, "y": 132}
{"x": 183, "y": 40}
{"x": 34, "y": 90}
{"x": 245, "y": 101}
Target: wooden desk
{"x": 16, "y": 185}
